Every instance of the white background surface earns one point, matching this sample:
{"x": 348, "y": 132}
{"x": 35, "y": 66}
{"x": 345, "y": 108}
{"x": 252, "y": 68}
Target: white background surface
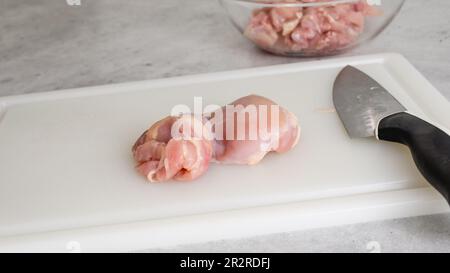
{"x": 47, "y": 45}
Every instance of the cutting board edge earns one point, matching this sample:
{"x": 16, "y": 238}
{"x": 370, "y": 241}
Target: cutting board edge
{"x": 220, "y": 225}
{"x": 7, "y": 101}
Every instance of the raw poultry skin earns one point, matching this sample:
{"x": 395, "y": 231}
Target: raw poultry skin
{"x": 161, "y": 157}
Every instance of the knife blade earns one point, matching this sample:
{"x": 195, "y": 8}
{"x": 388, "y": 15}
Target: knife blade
{"x": 361, "y": 102}
{"x": 367, "y": 109}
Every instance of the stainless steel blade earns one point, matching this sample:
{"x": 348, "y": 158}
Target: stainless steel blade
{"x": 361, "y": 102}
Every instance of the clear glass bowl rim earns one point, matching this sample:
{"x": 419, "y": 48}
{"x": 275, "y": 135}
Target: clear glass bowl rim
{"x": 262, "y": 3}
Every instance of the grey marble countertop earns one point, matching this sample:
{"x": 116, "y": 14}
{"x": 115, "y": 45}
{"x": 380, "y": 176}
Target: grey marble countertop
{"x": 46, "y": 45}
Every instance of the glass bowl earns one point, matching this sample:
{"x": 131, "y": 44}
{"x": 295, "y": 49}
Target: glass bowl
{"x": 310, "y": 27}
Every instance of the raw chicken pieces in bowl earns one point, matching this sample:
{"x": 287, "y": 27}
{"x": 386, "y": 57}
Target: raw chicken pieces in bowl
{"x": 310, "y": 27}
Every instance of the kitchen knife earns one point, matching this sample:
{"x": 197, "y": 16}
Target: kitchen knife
{"x": 367, "y": 109}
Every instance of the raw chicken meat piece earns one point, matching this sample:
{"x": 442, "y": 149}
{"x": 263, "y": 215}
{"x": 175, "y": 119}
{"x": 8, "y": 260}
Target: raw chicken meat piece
{"x": 261, "y": 30}
{"x": 161, "y": 157}
{"x": 250, "y": 150}
{"x": 309, "y": 30}
{"x": 162, "y": 154}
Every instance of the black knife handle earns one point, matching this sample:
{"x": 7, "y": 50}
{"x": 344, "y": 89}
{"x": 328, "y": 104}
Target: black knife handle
{"x": 430, "y": 147}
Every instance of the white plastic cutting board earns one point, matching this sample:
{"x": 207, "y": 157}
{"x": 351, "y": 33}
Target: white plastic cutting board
{"x": 67, "y": 179}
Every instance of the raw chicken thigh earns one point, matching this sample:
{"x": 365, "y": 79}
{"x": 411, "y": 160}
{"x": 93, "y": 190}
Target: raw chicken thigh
{"x": 169, "y": 151}
{"x": 161, "y": 157}
{"x": 248, "y": 150}
{"x": 309, "y": 30}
